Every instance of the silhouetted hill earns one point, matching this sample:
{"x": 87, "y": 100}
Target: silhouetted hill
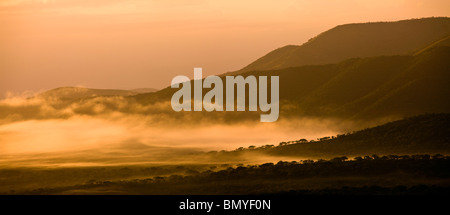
{"x": 389, "y": 86}
{"x": 379, "y": 86}
{"x": 421, "y": 134}
{"x": 81, "y": 92}
{"x": 359, "y": 88}
{"x": 443, "y": 42}
{"x": 357, "y": 40}
{"x": 144, "y": 90}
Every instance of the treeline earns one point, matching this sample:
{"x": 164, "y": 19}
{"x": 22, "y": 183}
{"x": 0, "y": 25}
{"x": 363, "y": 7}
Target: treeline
{"x": 424, "y": 134}
{"x": 367, "y": 171}
{"x": 421, "y": 165}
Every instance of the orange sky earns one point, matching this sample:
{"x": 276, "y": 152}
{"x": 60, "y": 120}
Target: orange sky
{"x": 145, "y": 43}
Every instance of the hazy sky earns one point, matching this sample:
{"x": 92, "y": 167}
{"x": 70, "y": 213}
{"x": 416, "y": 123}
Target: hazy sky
{"x": 145, "y": 43}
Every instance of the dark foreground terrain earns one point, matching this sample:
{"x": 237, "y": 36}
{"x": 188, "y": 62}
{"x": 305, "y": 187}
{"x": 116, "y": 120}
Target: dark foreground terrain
{"x": 409, "y": 156}
{"x": 418, "y": 174}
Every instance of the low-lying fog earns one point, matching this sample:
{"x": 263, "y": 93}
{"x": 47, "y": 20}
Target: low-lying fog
{"x": 117, "y": 138}
{"x": 85, "y": 140}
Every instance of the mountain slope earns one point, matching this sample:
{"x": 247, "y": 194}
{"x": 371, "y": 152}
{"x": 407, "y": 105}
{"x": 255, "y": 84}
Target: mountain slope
{"x": 442, "y": 42}
{"x": 380, "y": 86}
{"x": 424, "y": 134}
{"x": 360, "y": 88}
{"x": 357, "y": 40}
{"x": 369, "y": 88}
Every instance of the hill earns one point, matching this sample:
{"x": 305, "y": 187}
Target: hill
{"x": 388, "y": 86}
{"x": 359, "y": 88}
{"x": 144, "y": 90}
{"x": 81, "y": 92}
{"x": 357, "y": 40}
{"x": 415, "y": 135}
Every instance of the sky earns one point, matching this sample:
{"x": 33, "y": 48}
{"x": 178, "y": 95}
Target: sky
{"x": 128, "y": 44}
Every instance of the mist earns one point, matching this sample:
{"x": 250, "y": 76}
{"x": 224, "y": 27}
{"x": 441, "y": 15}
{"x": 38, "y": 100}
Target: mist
{"x": 86, "y": 140}
{"x": 44, "y": 130}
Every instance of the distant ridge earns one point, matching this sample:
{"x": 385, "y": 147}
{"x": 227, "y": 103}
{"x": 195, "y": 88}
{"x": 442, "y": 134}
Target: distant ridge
{"x": 357, "y": 40}
{"x": 81, "y": 92}
{"x": 144, "y": 90}
{"x": 358, "y": 88}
